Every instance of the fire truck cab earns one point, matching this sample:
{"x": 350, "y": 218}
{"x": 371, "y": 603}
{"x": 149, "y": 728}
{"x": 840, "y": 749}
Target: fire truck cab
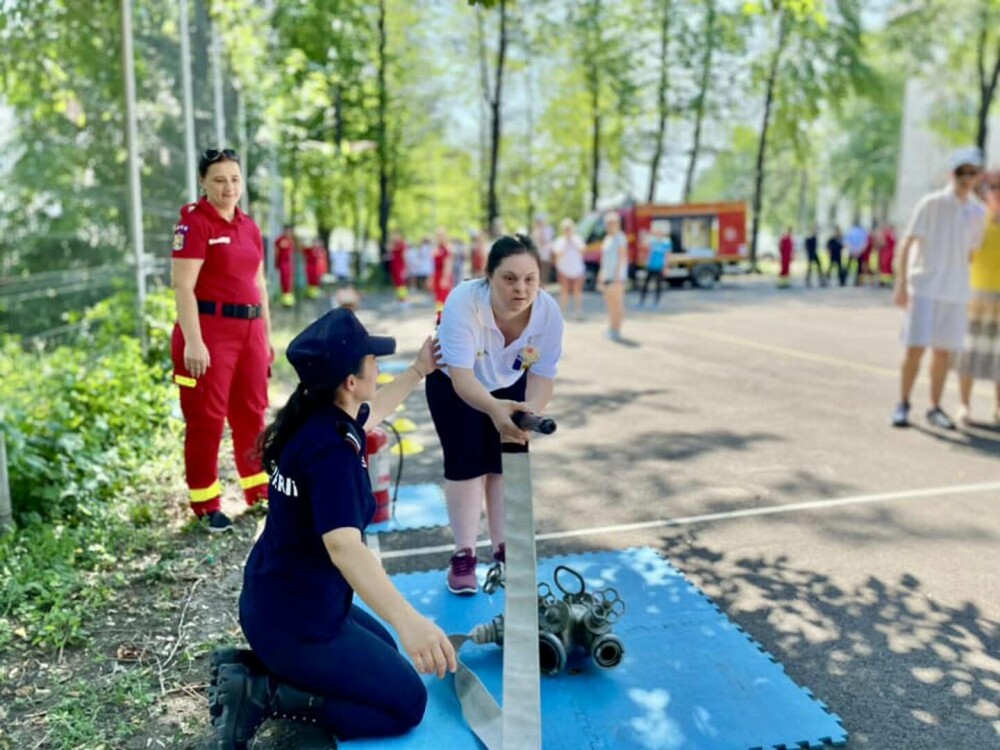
{"x": 706, "y": 238}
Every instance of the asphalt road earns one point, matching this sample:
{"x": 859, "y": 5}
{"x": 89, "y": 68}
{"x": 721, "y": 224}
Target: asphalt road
{"x": 744, "y": 433}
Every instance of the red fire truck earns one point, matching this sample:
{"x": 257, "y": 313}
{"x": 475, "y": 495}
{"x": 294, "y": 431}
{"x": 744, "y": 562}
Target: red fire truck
{"x": 706, "y": 237}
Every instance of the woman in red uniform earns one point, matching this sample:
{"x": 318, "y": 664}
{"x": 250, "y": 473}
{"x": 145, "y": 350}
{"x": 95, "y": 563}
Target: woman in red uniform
{"x": 443, "y": 279}
{"x": 397, "y": 267}
{"x": 221, "y": 342}
{"x": 284, "y": 261}
{"x": 315, "y": 255}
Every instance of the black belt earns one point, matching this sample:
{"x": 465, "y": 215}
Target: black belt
{"x": 226, "y": 310}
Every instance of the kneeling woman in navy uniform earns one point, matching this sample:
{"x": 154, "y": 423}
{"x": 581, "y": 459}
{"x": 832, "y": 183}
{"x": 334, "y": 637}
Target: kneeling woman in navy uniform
{"x": 316, "y": 655}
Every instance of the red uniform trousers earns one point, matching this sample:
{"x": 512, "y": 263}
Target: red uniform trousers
{"x": 314, "y": 267}
{"x": 235, "y": 388}
{"x": 786, "y": 262}
{"x": 885, "y": 254}
{"x": 285, "y": 268}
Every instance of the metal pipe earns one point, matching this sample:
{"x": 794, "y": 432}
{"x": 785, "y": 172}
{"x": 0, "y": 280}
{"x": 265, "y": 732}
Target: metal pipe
{"x": 6, "y": 515}
{"x": 220, "y": 110}
{"x": 135, "y": 187}
{"x": 189, "y": 148}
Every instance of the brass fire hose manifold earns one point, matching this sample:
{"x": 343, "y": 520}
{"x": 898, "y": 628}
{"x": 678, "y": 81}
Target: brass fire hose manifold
{"x": 580, "y": 620}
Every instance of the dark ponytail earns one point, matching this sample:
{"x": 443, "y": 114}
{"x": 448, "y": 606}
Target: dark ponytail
{"x": 301, "y": 405}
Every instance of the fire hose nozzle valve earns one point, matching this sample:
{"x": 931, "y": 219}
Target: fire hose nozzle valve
{"x": 579, "y": 620}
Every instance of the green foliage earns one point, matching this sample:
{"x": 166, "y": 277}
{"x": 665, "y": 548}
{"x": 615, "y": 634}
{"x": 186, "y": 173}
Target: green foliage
{"x": 77, "y": 421}
{"x": 99, "y": 716}
{"x": 112, "y": 319}
{"x": 863, "y": 164}
{"x": 53, "y": 578}
{"x": 83, "y": 426}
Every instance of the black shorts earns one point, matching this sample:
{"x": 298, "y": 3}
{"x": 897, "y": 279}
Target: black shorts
{"x": 470, "y": 442}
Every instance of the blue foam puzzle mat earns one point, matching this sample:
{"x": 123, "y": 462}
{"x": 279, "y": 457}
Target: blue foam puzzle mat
{"x": 392, "y": 366}
{"x": 418, "y": 506}
{"x": 690, "y": 679}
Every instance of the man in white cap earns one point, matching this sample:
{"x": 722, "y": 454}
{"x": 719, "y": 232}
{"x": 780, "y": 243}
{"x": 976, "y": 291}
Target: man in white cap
{"x": 932, "y": 281}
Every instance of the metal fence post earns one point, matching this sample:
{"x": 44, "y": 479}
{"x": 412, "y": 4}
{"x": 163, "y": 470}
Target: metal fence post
{"x": 6, "y": 516}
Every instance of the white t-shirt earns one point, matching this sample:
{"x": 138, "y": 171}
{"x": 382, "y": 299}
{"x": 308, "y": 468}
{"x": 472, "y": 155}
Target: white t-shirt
{"x": 568, "y": 253}
{"x": 542, "y": 237}
{"x": 947, "y": 231}
{"x": 342, "y": 264}
{"x": 613, "y": 248}
{"x": 425, "y": 260}
{"x": 470, "y": 338}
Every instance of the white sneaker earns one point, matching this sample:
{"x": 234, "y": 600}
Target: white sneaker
{"x": 963, "y": 417}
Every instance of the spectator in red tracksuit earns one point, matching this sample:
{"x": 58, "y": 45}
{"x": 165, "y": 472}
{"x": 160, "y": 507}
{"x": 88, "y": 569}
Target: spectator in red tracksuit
{"x": 885, "y": 257}
{"x": 397, "y": 267}
{"x": 786, "y": 248}
{"x": 316, "y": 266}
{"x": 221, "y": 343}
{"x": 443, "y": 279}
{"x": 284, "y": 261}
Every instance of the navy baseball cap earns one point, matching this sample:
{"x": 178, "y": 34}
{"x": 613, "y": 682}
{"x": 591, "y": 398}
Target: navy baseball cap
{"x": 332, "y": 347}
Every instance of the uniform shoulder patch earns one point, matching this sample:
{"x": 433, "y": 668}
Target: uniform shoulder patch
{"x": 180, "y": 236}
{"x": 349, "y": 434}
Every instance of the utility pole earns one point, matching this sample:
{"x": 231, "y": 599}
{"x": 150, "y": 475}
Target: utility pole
{"x": 189, "y": 148}
{"x": 135, "y": 187}
{"x": 220, "y": 110}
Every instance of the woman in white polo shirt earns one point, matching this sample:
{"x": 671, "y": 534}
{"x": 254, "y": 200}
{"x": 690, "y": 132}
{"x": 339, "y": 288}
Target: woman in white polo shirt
{"x": 500, "y": 339}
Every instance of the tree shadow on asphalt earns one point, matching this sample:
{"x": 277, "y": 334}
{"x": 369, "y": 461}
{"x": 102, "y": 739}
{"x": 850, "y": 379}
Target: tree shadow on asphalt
{"x": 640, "y": 482}
{"x": 577, "y": 408}
{"x": 900, "y": 669}
{"x": 984, "y": 441}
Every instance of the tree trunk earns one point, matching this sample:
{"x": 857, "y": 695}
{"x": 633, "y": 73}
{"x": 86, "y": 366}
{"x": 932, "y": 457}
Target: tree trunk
{"x": 661, "y": 102}
{"x": 699, "y": 107}
{"x": 384, "y": 200}
{"x": 758, "y": 181}
{"x": 492, "y": 204}
{"x": 987, "y": 86}
{"x": 593, "y": 77}
{"x": 595, "y": 144}
{"x": 484, "y": 103}
{"x": 529, "y": 140}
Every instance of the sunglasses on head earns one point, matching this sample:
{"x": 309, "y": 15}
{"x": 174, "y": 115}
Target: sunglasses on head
{"x": 213, "y": 155}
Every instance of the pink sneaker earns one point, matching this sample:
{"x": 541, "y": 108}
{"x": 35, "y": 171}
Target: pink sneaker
{"x": 462, "y": 573}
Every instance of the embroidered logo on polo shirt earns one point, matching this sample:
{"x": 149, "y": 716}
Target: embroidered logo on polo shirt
{"x": 526, "y": 358}
{"x": 180, "y": 235}
{"x": 220, "y": 240}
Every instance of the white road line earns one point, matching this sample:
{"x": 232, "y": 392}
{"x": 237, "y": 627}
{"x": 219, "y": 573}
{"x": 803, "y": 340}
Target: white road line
{"x": 785, "y": 351}
{"x": 960, "y": 489}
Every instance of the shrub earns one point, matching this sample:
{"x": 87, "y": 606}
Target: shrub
{"x": 78, "y": 420}
{"x": 84, "y": 427}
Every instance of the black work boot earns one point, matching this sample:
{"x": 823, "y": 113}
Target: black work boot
{"x": 228, "y": 655}
{"x": 245, "y": 700}
{"x": 297, "y": 705}
{"x": 294, "y": 704}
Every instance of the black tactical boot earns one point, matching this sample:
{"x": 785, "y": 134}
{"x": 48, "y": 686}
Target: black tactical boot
{"x": 228, "y": 655}
{"x": 244, "y": 699}
{"x": 292, "y": 704}
{"x": 295, "y": 705}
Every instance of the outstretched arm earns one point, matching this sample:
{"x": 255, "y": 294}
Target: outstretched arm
{"x": 392, "y": 395}
{"x": 424, "y": 641}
